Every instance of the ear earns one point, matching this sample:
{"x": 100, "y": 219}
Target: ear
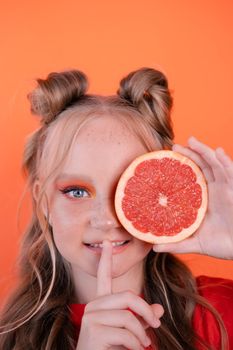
{"x": 35, "y": 192}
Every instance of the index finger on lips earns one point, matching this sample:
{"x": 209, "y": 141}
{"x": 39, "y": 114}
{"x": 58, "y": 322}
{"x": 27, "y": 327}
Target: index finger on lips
{"x": 104, "y": 272}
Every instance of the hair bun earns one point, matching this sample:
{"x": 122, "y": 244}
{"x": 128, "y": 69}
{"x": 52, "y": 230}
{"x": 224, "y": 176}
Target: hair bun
{"x": 55, "y": 93}
{"x": 147, "y": 90}
{"x": 142, "y": 83}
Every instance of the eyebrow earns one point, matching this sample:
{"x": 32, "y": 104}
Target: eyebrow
{"x": 72, "y": 177}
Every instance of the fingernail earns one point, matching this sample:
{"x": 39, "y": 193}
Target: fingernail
{"x": 176, "y": 146}
{"x": 192, "y": 138}
{"x": 156, "y": 323}
{"x": 147, "y": 342}
{"x": 148, "y": 347}
{"x": 107, "y": 243}
{"x": 220, "y": 149}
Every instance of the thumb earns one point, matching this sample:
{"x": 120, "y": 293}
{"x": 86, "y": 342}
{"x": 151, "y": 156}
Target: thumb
{"x": 189, "y": 245}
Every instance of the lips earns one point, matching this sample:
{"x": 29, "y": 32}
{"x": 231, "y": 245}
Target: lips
{"x": 115, "y": 243}
{"x": 117, "y": 247}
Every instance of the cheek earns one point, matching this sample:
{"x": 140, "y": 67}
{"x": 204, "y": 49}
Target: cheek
{"x": 63, "y": 223}
{"x": 66, "y": 215}
{"x": 68, "y": 223}
{"x": 67, "y": 235}
{"x": 143, "y": 248}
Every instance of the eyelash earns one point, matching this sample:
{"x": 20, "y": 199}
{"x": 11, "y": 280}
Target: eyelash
{"x": 67, "y": 190}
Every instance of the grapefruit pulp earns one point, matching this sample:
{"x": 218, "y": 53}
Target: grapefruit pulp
{"x": 161, "y": 197}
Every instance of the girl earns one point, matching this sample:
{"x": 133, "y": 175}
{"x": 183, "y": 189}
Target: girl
{"x": 123, "y": 293}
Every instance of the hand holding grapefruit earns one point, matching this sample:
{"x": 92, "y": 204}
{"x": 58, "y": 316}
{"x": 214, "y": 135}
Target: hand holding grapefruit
{"x": 214, "y": 237}
{"x": 161, "y": 197}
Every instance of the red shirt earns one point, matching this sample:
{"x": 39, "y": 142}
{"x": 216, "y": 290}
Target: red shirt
{"x": 217, "y": 291}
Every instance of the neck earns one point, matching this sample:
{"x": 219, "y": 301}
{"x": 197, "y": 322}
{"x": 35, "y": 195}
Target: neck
{"x": 85, "y": 284}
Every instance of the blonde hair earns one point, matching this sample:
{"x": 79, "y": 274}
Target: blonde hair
{"x": 37, "y": 314}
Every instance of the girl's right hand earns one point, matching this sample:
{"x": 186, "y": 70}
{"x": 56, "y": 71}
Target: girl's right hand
{"x": 107, "y": 324}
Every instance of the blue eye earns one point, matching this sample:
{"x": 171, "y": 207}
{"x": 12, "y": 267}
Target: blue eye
{"x": 78, "y": 192}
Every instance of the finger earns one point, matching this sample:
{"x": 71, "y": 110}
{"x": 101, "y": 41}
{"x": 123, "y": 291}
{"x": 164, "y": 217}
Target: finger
{"x": 125, "y": 300}
{"x": 206, "y": 169}
{"x": 189, "y": 245}
{"x": 104, "y": 272}
{"x": 146, "y": 325}
{"x": 158, "y": 311}
{"x": 120, "y": 319}
{"x": 208, "y": 154}
{"x": 226, "y": 161}
{"x": 121, "y": 337}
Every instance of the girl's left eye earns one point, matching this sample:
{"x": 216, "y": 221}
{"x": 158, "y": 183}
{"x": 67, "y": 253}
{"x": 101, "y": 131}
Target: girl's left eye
{"x": 78, "y": 192}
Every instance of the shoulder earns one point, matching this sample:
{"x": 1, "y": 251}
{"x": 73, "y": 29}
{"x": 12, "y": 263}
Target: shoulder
{"x": 213, "y": 281}
{"x": 218, "y": 292}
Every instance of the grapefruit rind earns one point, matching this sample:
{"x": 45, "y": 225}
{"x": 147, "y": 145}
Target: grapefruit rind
{"x": 130, "y": 172}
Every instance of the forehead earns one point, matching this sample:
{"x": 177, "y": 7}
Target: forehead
{"x": 104, "y": 128}
{"x": 104, "y": 146}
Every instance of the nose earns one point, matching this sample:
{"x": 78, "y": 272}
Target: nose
{"x": 104, "y": 217}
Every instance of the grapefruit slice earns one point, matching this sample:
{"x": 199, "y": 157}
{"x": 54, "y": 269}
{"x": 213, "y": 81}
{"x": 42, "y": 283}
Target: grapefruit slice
{"x": 161, "y": 197}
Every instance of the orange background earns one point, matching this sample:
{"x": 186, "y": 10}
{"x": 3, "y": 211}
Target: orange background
{"x": 191, "y": 41}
